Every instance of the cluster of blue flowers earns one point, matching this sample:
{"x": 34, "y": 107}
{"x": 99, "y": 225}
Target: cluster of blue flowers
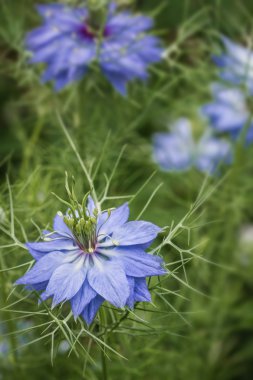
{"x": 70, "y": 42}
{"x": 229, "y": 113}
{"x": 93, "y": 256}
{"x": 231, "y": 110}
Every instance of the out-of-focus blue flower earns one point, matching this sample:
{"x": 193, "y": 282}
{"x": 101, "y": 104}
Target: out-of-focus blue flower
{"x": 93, "y": 257}
{"x": 236, "y": 64}
{"x": 4, "y": 347}
{"x": 69, "y": 43}
{"x": 21, "y": 333}
{"x": 229, "y": 113}
{"x": 177, "y": 151}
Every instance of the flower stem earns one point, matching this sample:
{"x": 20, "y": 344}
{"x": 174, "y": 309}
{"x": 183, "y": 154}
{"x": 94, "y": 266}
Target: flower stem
{"x": 104, "y": 365}
{"x": 85, "y": 170}
{"x": 29, "y": 150}
{"x": 103, "y": 322}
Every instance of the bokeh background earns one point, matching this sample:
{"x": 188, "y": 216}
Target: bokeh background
{"x": 204, "y": 329}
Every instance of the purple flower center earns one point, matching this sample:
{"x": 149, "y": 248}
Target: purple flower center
{"x": 90, "y": 33}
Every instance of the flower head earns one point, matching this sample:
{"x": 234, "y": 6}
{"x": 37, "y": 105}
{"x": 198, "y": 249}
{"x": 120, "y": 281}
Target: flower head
{"x": 229, "y": 112}
{"x": 94, "y": 256}
{"x": 69, "y": 41}
{"x": 177, "y": 150}
{"x": 236, "y": 64}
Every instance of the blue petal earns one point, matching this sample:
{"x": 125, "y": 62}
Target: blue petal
{"x": 118, "y": 81}
{"x": 83, "y": 55}
{"x": 41, "y": 36}
{"x": 138, "y": 263}
{"x": 49, "y": 10}
{"x": 132, "y": 233}
{"x": 91, "y": 205}
{"x": 46, "y": 53}
{"x": 59, "y": 244}
{"x": 91, "y": 309}
{"x": 61, "y": 14}
{"x": 108, "y": 279}
{"x": 66, "y": 77}
{"x": 37, "y": 255}
{"x": 82, "y": 298}
{"x": 61, "y": 227}
{"x": 37, "y": 287}
{"x": 66, "y": 281}
{"x": 118, "y": 67}
{"x": 138, "y": 291}
{"x": 131, "y": 300}
{"x": 43, "y": 269}
{"x": 141, "y": 291}
{"x": 124, "y": 23}
{"x": 117, "y": 217}
{"x": 238, "y": 52}
{"x": 219, "y": 60}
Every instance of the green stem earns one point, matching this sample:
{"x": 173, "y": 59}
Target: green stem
{"x": 85, "y": 170}
{"x": 103, "y": 322}
{"x": 104, "y": 365}
{"x": 29, "y": 151}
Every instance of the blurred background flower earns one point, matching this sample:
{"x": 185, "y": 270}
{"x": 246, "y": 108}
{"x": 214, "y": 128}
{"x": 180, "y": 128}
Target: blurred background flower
{"x": 177, "y": 150}
{"x": 229, "y": 112}
{"x": 72, "y": 39}
{"x": 236, "y": 64}
{"x": 24, "y": 335}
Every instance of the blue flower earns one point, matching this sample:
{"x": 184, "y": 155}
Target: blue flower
{"x": 229, "y": 113}
{"x": 177, "y": 151}
{"x": 94, "y": 256}
{"x": 236, "y": 64}
{"x": 69, "y": 44}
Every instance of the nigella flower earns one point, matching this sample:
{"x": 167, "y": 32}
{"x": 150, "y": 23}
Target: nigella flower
{"x": 177, "y": 150}
{"x": 229, "y": 112}
{"x": 94, "y": 256}
{"x": 236, "y": 64}
{"x": 69, "y": 41}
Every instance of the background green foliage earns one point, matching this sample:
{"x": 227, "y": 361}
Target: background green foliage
{"x": 204, "y": 328}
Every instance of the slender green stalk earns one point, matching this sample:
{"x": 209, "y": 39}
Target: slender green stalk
{"x": 85, "y": 170}
{"x": 103, "y": 323}
{"x": 29, "y": 148}
{"x": 104, "y": 365}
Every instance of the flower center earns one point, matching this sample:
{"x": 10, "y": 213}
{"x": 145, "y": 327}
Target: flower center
{"x": 84, "y": 232}
{"x": 90, "y": 33}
